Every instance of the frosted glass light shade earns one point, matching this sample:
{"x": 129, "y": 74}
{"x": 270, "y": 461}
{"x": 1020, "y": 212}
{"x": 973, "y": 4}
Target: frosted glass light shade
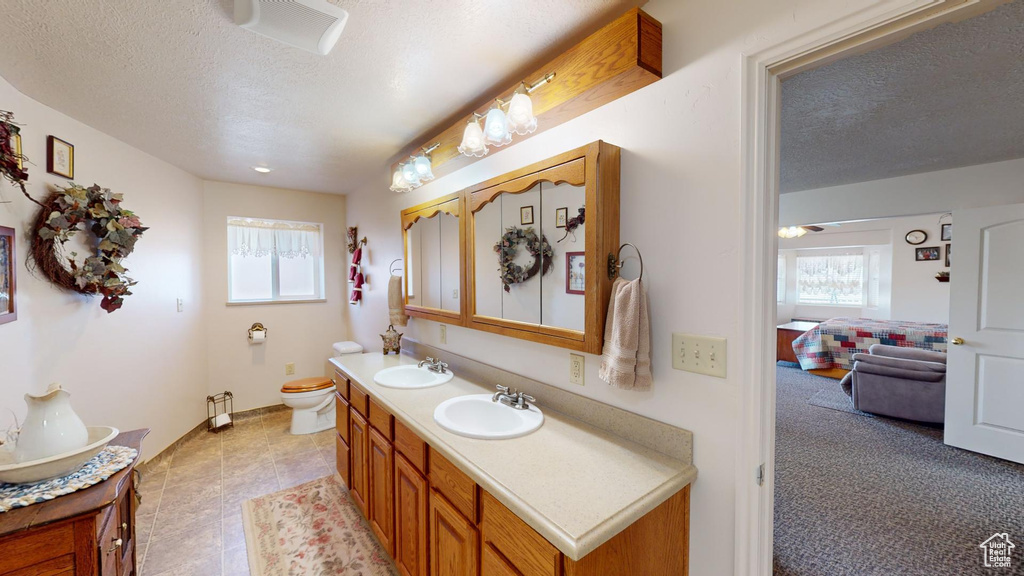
{"x": 410, "y": 174}
{"x": 520, "y": 114}
{"x": 399, "y": 183}
{"x": 791, "y": 232}
{"x": 423, "y": 168}
{"x": 473, "y": 140}
{"x": 496, "y": 128}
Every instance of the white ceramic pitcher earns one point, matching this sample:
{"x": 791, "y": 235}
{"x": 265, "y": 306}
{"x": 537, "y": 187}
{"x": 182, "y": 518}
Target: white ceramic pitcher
{"x": 51, "y": 426}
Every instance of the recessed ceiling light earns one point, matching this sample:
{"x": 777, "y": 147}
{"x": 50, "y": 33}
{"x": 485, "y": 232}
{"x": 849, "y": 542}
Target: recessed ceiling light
{"x": 262, "y": 169}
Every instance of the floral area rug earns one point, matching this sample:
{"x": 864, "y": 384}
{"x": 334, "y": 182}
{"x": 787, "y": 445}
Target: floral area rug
{"x": 312, "y": 529}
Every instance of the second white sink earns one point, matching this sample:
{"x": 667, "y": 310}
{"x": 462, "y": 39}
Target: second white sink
{"x": 476, "y": 416}
{"x": 411, "y": 376}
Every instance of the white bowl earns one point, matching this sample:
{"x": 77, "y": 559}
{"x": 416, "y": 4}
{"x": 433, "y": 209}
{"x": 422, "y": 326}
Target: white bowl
{"x": 58, "y": 465}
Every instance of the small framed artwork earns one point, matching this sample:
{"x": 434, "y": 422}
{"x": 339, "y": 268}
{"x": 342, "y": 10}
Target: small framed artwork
{"x": 526, "y": 215}
{"x": 16, "y": 147}
{"x": 8, "y": 276}
{"x": 947, "y": 232}
{"x": 928, "y": 254}
{"x": 575, "y": 273}
{"x": 948, "y": 250}
{"x": 60, "y": 157}
{"x": 561, "y": 216}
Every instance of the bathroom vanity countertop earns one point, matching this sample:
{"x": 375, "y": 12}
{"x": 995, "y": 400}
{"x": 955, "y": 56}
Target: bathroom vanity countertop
{"x": 574, "y": 483}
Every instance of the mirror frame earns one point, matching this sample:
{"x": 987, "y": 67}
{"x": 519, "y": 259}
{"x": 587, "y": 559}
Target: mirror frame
{"x": 453, "y": 204}
{"x": 594, "y": 166}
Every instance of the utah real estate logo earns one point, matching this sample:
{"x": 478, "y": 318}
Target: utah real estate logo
{"x": 997, "y": 550}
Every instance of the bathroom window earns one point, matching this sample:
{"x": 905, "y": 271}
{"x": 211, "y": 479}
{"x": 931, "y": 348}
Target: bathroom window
{"x": 274, "y": 261}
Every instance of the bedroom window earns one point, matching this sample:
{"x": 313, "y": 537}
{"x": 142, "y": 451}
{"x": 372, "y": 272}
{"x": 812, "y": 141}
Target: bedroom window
{"x": 274, "y": 261}
{"x": 780, "y": 282}
{"x": 830, "y": 280}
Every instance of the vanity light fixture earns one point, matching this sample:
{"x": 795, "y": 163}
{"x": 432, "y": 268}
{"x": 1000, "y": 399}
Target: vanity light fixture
{"x": 792, "y": 232}
{"x": 413, "y": 173}
{"x": 262, "y": 169}
{"x": 499, "y": 125}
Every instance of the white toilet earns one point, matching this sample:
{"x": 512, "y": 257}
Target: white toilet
{"x": 312, "y": 399}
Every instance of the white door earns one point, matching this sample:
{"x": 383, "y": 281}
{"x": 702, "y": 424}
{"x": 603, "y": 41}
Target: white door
{"x": 985, "y": 378}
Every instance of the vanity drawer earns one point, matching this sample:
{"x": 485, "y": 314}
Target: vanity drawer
{"x": 359, "y": 399}
{"x": 109, "y": 541}
{"x": 455, "y": 485}
{"x": 510, "y": 538}
{"x": 410, "y": 445}
{"x": 341, "y": 417}
{"x": 381, "y": 419}
{"x": 39, "y": 548}
{"x": 341, "y": 382}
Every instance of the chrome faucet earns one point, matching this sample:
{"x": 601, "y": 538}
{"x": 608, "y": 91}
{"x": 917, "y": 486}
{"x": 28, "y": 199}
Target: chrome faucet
{"x": 434, "y": 365}
{"x": 514, "y": 399}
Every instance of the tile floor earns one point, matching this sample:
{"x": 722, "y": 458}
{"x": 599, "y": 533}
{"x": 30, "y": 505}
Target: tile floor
{"x": 190, "y": 519}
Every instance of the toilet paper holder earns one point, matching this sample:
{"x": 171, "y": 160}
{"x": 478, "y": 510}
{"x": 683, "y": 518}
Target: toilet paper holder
{"x": 258, "y": 327}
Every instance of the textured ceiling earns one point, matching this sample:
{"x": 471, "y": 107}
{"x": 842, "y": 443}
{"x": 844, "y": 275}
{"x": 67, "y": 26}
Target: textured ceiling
{"x": 947, "y": 97}
{"x": 178, "y": 79}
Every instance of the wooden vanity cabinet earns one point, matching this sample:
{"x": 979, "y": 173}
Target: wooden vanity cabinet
{"x": 382, "y": 490}
{"x": 454, "y": 540}
{"x": 513, "y": 547}
{"x": 359, "y": 468}
{"x": 412, "y": 506}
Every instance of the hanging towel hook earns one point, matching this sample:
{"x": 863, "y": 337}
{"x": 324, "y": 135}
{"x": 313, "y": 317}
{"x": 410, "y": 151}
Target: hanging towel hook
{"x": 615, "y": 262}
{"x": 391, "y": 267}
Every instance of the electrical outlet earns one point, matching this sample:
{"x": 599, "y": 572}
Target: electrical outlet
{"x": 577, "y": 365}
{"x": 181, "y": 305}
{"x": 289, "y": 369}
{"x": 444, "y": 334}
{"x": 699, "y": 354}
{"x": 455, "y": 294}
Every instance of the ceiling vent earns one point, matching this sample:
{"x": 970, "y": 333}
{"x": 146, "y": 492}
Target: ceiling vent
{"x": 313, "y": 25}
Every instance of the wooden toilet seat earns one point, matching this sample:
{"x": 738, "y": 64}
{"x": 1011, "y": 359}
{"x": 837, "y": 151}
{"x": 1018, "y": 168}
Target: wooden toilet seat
{"x": 306, "y": 385}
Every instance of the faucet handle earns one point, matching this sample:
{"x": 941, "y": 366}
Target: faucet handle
{"x": 443, "y": 366}
{"x": 526, "y": 397}
{"x": 502, "y": 389}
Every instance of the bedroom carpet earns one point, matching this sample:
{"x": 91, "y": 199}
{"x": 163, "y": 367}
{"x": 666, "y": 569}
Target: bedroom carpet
{"x": 877, "y": 496}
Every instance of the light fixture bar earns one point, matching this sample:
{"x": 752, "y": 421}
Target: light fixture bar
{"x": 547, "y": 78}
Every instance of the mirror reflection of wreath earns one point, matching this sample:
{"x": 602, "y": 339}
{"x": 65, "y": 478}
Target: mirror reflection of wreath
{"x": 508, "y": 247}
{"x": 116, "y": 229}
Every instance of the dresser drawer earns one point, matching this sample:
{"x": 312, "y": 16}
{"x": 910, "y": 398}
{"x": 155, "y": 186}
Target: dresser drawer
{"x": 39, "y": 546}
{"x": 410, "y": 445}
{"x": 359, "y": 399}
{"x": 341, "y": 383}
{"x": 455, "y": 485}
{"x": 381, "y": 419}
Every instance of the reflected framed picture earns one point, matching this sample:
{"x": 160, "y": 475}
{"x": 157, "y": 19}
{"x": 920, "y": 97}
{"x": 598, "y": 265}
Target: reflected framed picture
{"x": 575, "y": 273}
{"x": 928, "y": 254}
{"x": 561, "y": 216}
{"x": 526, "y": 215}
{"x": 948, "y": 250}
{"x": 60, "y": 157}
{"x": 8, "y": 276}
{"x": 16, "y": 147}
{"x": 947, "y": 232}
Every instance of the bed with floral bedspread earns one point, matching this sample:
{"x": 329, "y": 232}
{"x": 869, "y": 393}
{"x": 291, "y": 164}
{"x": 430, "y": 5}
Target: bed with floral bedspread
{"x": 833, "y": 343}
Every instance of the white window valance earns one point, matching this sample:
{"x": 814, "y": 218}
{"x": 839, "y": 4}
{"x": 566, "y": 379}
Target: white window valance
{"x": 252, "y": 237}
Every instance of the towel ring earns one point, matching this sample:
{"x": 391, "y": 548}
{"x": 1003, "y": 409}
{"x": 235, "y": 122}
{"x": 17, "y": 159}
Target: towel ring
{"x": 615, "y": 262}
{"x": 391, "y": 267}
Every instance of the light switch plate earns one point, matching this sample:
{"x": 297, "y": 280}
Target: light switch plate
{"x": 577, "y": 368}
{"x": 699, "y": 354}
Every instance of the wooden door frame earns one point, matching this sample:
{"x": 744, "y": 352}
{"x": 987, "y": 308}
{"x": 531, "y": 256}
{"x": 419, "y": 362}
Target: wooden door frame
{"x": 875, "y": 26}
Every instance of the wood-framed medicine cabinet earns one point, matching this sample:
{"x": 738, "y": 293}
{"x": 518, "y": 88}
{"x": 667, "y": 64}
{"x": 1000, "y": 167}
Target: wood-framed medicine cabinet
{"x": 564, "y": 302}
{"x": 434, "y": 240}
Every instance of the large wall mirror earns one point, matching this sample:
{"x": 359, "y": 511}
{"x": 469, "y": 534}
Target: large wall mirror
{"x": 538, "y": 243}
{"x": 434, "y": 236}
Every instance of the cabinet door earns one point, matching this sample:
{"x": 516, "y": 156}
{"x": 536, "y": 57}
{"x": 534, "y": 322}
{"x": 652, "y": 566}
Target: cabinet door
{"x": 126, "y": 517}
{"x": 382, "y": 490}
{"x": 454, "y": 541}
{"x": 342, "y": 460}
{"x": 493, "y": 564}
{"x": 359, "y": 461}
{"x": 513, "y": 541}
{"x": 411, "y": 507}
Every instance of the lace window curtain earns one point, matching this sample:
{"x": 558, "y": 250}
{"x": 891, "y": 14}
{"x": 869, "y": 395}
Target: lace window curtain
{"x": 258, "y": 238}
{"x": 831, "y": 280}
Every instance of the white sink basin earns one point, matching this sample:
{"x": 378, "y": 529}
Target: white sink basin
{"x": 411, "y": 376}
{"x": 476, "y": 416}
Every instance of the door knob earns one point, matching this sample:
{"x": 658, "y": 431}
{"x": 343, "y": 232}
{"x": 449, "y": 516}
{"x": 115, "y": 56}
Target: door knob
{"x": 957, "y": 341}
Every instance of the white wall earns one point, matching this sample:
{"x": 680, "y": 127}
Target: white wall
{"x": 913, "y": 292}
{"x": 298, "y": 332}
{"x": 681, "y": 177}
{"x": 994, "y": 184}
{"x": 143, "y": 365}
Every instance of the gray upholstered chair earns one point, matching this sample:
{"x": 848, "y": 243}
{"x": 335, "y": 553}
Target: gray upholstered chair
{"x": 907, "y": 383}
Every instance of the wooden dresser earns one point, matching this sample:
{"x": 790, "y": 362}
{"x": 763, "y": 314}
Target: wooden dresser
{"x": 87, "y": 533}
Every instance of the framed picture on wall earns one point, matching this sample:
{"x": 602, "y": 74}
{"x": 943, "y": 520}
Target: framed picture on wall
{"x": 561, "y": 216}
{"x": 948, "y": 249}
{"x": 60, "y": 157}
{"x": 928, "y": 254}
{"x": 575, "y": 272}
{"x": 8, "y": 276}
{"x": 16, "y": 147}
{"x": 947, "y": 232}
{"x": 526, "y": 215}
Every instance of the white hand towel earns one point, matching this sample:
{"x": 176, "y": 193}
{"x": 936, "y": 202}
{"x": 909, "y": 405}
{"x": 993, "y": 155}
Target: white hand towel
{"x": 626, "y": 354}
{"x": 396, "y": 308}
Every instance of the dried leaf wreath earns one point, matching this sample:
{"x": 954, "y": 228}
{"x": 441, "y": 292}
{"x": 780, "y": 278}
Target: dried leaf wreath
{"x": 508, "y": 247}
{"x": 116, "y": 230}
